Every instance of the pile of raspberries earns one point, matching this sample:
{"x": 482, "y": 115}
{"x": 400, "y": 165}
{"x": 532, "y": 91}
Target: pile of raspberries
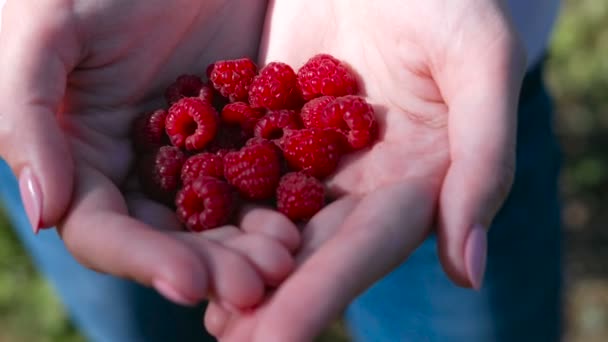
{"x": 269, "y": 136}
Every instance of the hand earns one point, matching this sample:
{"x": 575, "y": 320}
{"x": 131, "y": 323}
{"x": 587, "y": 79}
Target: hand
{"x": 444, "y": 77}
{"x": 73, "y": 75}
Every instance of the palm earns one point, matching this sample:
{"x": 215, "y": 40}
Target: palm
{"x": 119, "y": 58}
{"x": 389, "y": 192}
{"x": 128, "y": 65}
{"x": 397, "y": 79}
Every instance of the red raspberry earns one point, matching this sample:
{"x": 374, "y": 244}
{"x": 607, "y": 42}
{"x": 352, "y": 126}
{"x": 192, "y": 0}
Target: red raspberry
{"x": 275, "y": 88}
{"x": 353, "y": 117}
{"x": 149, "y": 131}
{"x": 202, "y": 164}
{"x": 312, "y": 111}
{"x": 325, "y": 75}
{"x": 206, "y": 94}
{"x": 191, "y": 123}
{"x": 313, "y": 150}
{"x": 273, "y": 124}
{"x": 300, "y": 196}
{"x": 188, "y": 86}
{"x": 232, "y": 78}
{"x": 255, "y": 170}
{"x": 229, "y": 138}
{"x": 205, "y": 204}
{"x": 240, "y": 113}
{"x": 159, "y": 172}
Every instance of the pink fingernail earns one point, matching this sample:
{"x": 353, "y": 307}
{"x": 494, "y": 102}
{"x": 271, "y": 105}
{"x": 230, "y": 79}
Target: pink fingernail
{"x": 31, "y": 195}
{"x": 475, "y": 254}
{"x": 165, "y": 289}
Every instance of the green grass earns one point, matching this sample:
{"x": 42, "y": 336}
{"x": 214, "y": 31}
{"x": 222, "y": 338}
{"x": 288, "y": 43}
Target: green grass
{"x": 29, "y": 310}
{"x": 578, "y": 76}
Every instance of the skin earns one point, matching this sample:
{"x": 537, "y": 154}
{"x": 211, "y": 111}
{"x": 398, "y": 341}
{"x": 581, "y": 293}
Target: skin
{"x": 444, "y": 77}
{"x": 73, "y": 75}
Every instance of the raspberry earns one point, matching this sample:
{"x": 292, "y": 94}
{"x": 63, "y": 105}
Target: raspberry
{"x": 202, "y": 164}
{"x": 191, "y": 123}
{"x": 273, "y": 124}
{"x": 188, "y": 86}
{"x": 159, "y": 172}
{"x": 312, "y": 150}
{"x": 242, "y": 114}
{"x": 149, "y": 131}
{"x": 325, "y": 75}
{"x": 312, "y": 111}
{"x": 205, "y": 204}
{"x": 229, "y": 138}
{"x": 353, "y": 117}
{"x": 232, "y": 78}
{"x": 206, "y": 94}
{"x": 275, "y": 88}
{"x": 300, "y": 196}
{"x": 255, "y": 170}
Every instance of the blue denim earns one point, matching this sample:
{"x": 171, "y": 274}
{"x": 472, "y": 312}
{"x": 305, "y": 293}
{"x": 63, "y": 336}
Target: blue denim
{"x": 520, "y": 299}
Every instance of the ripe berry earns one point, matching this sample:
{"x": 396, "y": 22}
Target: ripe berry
{"x": 188, "y": 86}
{"x": 205, "y": 203}
{"x": 254, "y": 170}
{"x": 149, "y": 131}
{"x": 275, "y": 88}
{"x": 240, "y": 113}
{"x": 300, "y": 196}
{"x": 353, "y": 117}
{"x": 312, "y": 111}
{"x": 202, "y": 164}
{"x": 159, "y": 172}
{"x": 273, "y": 124}
{"x": 191, "y": 123}
{"x": 229, "y": 138}
{"x": 232, "y": 78}
{"x": 325, "y": 75}
{"x": 312, "y": 150}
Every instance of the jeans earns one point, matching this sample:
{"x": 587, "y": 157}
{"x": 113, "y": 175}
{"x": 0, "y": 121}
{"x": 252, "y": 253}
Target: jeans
{"x": 520, "y": 299}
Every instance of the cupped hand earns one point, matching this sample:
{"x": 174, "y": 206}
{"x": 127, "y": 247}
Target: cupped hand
{"x": 444, "y": 78}
{"x": 73, "y": 76}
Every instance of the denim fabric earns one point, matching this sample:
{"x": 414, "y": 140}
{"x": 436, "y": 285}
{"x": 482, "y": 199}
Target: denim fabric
{"x": 520, "y": 300}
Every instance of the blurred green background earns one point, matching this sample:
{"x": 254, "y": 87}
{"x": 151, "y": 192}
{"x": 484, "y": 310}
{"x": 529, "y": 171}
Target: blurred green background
{"x": 578, "y": 77}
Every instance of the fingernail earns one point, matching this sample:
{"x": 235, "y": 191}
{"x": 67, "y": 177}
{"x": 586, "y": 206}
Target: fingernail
{"x": 165, "y": 289}
{"x": 31, "y": 195}
{"x": 475, "y": 254}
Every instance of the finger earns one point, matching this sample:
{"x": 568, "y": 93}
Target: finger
{"x": 324, "y": 225}
{"x": 269, "y": 222}
{"x": 101, "y": 235}
{"x": 152, "y": 213}
{"x": 318, "y": 230}
{"x": 270, "y": 258}
{"x": 216, "y": 318}
{"x": 222, "y": 233}
{"x": 384, "y": 228}
{"x": 234, "y": 280}
{"x": 35, "y": 58}
{"x": 482, "y": 95}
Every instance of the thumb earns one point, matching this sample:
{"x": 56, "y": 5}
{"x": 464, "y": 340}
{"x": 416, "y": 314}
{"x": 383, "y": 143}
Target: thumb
{"x": 380, "y": 233}
{"x": 33, "y": 75}
{"x": 482, "y": 102}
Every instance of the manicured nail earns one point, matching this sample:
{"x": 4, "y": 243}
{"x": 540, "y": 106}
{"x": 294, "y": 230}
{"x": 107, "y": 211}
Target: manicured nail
{"x": 165, "y": 289}
{"x": 475, "y": 254}
{"x": 31, "y": 195}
